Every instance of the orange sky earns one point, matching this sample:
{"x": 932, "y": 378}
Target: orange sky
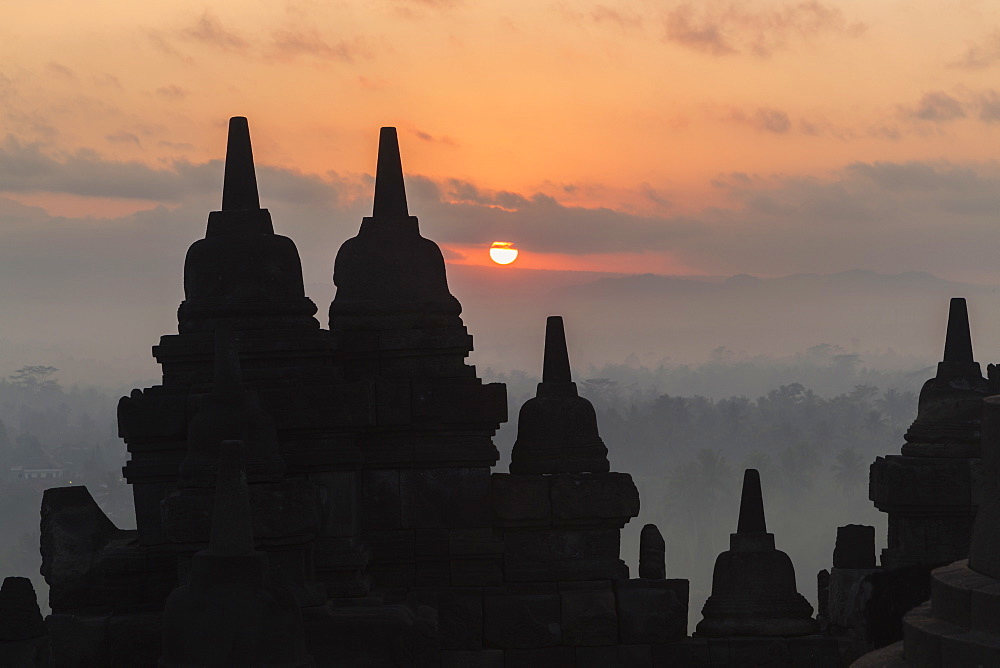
{"x": 637, "y": 106}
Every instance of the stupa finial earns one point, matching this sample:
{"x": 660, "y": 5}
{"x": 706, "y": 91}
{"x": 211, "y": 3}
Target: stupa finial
{"x": 751, "y": 505}
{"x": 239, "y": 190}
{"x": 555, "y": 367}
{"x": 958, "y": 342}
{"x": 390, "y": 193}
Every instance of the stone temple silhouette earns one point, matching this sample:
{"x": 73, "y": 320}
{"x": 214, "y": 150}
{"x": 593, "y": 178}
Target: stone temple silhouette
{"x": 310, "y": 496}
{"x": 338, "y": 481}
{"x": 931, "y": 493}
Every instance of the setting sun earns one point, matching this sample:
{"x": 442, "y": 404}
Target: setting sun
{"x": 503, "y": 252}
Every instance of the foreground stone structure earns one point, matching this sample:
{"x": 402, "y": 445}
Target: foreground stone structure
{"x": 928, "y": 490}
{"x": 960, "y": 624}
{"x": 559, "y": 512}
{"x": 931, "y": 495}
{"x": 753, "y": 586}
{"x": 755, "y": 615}
{"x": 365, "y": 512}
{"x": 23, "y": 637}
{"x": 227, "y": 613}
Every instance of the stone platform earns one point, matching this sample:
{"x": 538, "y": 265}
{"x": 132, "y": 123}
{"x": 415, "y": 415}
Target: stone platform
{"x": 960, "y": 625}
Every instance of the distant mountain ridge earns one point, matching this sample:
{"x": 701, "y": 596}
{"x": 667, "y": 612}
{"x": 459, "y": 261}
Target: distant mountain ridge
{"x": 635, "y": 285}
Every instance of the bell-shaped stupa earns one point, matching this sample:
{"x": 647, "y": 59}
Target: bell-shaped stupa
{"x": 242, "y": 272}
{"x": 557, "y": 429}
{"x": 388, "y": 276}
{"x": 753, "y": 586}
{"x": 228, "y": 614}
{"x": 928, "y": 490}
{"x": 950, "y": 406}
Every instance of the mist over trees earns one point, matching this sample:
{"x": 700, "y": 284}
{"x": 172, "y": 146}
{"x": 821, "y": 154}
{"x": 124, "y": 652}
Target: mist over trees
{"x": 687, "y": 451}
{"x": 811, "y": 423}
{"x": 52, "y": 436}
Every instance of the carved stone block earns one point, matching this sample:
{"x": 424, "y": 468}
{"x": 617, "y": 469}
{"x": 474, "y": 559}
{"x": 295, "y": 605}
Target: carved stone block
{"x": 521, "y": 500}
{"x": 593, "y": 498}
{"x": 652, "y": 611}
{"x": 460, "y": 618}
{"x": 430, "y": 498}
{"x": 589, "y": 616}
{"x": 521, "y": 621}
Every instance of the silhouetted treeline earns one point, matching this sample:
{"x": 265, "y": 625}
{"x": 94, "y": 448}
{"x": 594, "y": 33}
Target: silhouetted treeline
{"x": 685, "y": 449}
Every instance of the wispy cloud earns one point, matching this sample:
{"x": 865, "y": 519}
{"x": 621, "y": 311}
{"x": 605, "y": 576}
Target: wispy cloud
{"x": 724, "y": 28}
{"x": 172, "y": 92}
{"x": 209, "y": 30}
{"x": 764, "y": 119}
{"x": 310, "y": 42}
{"x": 937, "y": 106}
{"x": 60, "y": 70}
{"x": 439, "y": 139}
{"x": 123, "y": 137}
{"x": 989, "y": 106}
{"x": 982, "y": 55}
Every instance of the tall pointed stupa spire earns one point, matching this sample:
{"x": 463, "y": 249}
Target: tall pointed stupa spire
{"x": 751, "y": 505}
{"x": 958, "y": 341}
{"x": 557, "y": 429}
{"x": 390, "y": 193}
{"x": 753, "y": 584}
{"x": 242, "y": 271}
{"x": 239, "y": 189}
{"x": 388, "y": 276}
{"x": 555, "y": 365}
{"x": 950, "y": 404}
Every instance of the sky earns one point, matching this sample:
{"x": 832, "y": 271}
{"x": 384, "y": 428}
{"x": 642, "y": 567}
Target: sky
{"x": 704, "y": 138}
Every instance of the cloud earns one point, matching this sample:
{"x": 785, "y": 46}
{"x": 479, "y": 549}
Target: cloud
{"x": 123, "y": 137}
{"x": 765, "y": 120}
{"x": 428, "y": 137}
{"x": 610, "y": 15}
{"x": 937, "y": 106}
{"x": 294, "y": 43}
{"x": 209, "y": 30}
{"x": 60, "y": 70}
{"x": 886, "y": 216}
{"x": 107, "y": 80}
{"x": 723, "y": 28}
{"x": 463, "y": 213}
{"x": 162, "y": 43}
{"x": 919, "y": 176}
{"x": 706, "y": 35}
{"x": 982, "y": 55}
{"x": 989, "y": 106}
{"x": 27, "y": 168}
{"x": 440, "y": 4}
{"x": 172, "y": 92}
